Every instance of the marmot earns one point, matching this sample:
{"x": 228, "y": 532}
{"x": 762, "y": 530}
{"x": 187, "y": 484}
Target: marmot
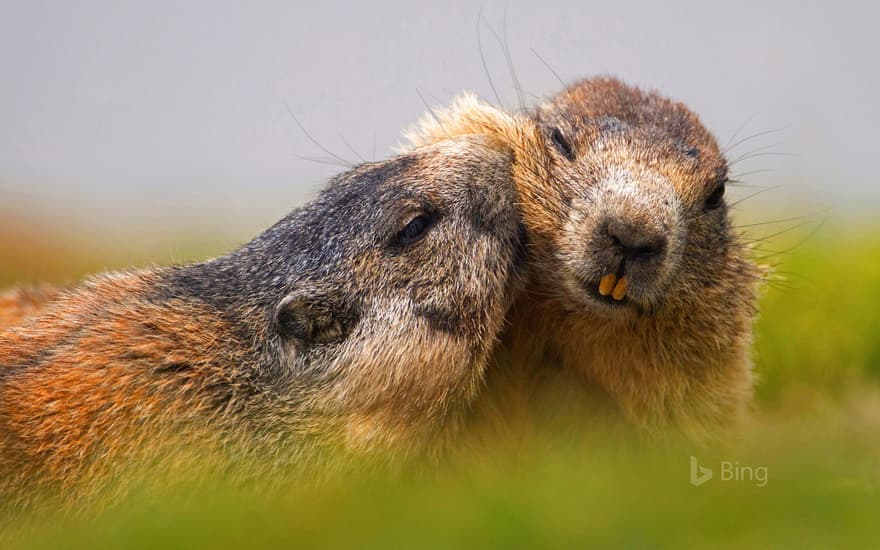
{"x": 638, "y": 284}
{"x": 361, "y": 322}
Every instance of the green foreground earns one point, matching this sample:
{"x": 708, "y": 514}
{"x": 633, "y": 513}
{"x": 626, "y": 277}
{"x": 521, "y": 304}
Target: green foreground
{"x": 808, "y": 473}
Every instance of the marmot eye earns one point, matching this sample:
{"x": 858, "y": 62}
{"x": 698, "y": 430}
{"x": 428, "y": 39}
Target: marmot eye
{"x": 416, "y": 229}
{"x": 714, "y": 200}
{"x": 561, "y": 143}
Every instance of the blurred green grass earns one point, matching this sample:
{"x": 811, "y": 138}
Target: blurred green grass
{"x": 820, "y": 330}
{"x": 821, "y": 492}
{"x": 817, "y": 353}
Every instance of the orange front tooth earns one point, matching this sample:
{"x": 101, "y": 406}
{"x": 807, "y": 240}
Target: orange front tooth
{"x": 606, "y": 284}
{"x": 619, "y": 289}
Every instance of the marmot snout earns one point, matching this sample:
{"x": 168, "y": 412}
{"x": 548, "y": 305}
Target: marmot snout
{"x": 622, "y": 241}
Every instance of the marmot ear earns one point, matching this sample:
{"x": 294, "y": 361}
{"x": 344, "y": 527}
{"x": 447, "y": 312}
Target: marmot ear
{"x": 313, "y": 318}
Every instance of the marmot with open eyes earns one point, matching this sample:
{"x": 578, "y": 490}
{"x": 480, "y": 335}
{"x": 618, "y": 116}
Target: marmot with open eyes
{"x": 361, "y": 322}
{"x": 639, "y": 287}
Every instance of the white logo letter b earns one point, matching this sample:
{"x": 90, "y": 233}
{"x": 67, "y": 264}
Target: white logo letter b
{"x": 699, "y": 474}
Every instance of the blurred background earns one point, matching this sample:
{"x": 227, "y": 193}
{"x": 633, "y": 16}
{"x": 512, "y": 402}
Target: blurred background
{"x": 153, "y": 132}
{"x": 134, "y": 121}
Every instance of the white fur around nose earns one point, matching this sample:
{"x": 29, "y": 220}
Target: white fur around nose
{"x": 631, "y": 196}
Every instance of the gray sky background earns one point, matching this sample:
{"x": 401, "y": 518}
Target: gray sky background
{"x": 175, "y": 113}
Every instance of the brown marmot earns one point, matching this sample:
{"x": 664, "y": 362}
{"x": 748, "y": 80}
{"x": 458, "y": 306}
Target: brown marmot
{"x": 638, "y": 284}
{"x": 361, "y": 322}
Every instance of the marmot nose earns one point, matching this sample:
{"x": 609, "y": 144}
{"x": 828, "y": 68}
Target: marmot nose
{"x": 635, "y": 242}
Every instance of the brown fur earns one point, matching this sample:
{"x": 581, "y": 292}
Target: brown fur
{"x": 677, "y": 355}
{"x": 17, "y": 304}
{"x": 86, "y": 411}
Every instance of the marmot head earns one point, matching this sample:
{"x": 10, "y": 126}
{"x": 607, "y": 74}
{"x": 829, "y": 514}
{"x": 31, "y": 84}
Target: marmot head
{"x": 646, "y": 226}
{"x": 390, "y": 288}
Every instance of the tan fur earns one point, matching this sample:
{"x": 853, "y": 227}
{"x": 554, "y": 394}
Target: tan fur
{"x": 681, "y": 361}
